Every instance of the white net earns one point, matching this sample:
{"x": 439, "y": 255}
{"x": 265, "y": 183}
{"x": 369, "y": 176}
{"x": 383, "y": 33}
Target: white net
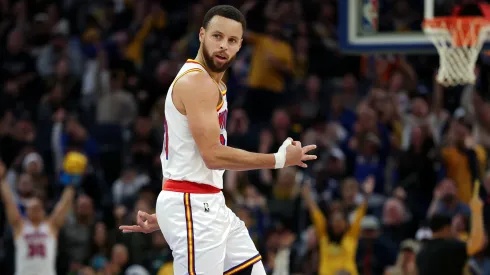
{"x": 458, "y": 42}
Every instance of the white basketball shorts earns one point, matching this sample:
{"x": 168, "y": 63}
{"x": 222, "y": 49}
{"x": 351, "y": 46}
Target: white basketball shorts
{"x": 205, "y": 236}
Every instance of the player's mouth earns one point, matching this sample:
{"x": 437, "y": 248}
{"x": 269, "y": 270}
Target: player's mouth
{"x": 221, "y": 58}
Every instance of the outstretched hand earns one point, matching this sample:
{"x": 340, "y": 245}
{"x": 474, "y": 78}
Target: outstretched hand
{"x": 297, "y": 154}
{"x": 146, "y": 223}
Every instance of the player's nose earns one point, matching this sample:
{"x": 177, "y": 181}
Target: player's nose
{"x": 223, "y": 46}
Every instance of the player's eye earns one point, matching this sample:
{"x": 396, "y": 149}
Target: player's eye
{"x": 233, "y": 41}
{"x": 217, "y": 36}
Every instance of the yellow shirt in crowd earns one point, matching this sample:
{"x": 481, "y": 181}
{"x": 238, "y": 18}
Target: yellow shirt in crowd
{"x": 335, "y": 257}
{"x": 458, "y": 170}
{"x": 261, "y": 74}
{"x": 166, "y": 269}
{"x": 134, "y": 51}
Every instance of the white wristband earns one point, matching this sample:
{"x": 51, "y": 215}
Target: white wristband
{"x": 280, "y": 156}
{"x": 280, "y": 160}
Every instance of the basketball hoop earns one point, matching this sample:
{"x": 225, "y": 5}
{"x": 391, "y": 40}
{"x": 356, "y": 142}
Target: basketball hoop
{"x": 458, "y": 40}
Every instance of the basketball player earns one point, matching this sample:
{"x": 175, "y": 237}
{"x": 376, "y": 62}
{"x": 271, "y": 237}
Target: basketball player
{"x": 35, "y": 236}
{"x": 205, "y": 236}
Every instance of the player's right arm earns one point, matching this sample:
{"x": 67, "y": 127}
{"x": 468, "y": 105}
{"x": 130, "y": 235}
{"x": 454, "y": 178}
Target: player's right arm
{"x": 199, "y": 96}
{"x": 13, "y": 215}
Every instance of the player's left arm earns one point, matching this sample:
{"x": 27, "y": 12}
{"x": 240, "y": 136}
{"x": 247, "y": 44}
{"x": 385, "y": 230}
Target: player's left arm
{"x": 74, "y": 165}
{"x": 58, "y": 216}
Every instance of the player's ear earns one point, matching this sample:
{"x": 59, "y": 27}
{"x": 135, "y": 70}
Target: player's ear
{"x": 202, "y": 31}
{"x": 240, "y": 45}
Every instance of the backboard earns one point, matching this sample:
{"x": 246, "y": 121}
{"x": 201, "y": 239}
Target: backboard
{"x": 389, "y": 26}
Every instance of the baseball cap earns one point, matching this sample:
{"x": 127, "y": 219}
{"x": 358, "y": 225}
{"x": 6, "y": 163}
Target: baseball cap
{"x": 410, "y": 245}
{"x": 369, "y": 223}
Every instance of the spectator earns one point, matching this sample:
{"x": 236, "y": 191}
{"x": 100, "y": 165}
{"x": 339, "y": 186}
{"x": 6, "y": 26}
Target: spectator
{"x": 100, "y": 246}
{"x": 338, "y": 236}
{"x": 117, "y": 106}
{"x": 463, "y": 158}
{"x": 18, "y": 65}
{"x": 405, "y": 263}
{"x": 77, "y": 234}
{"x": 59, "y": 47}
{"x": 417, "y": 173}
{"x": 159, "y": 256}
{"x": 267, "y": 83}
{"x": 446, "y": 202}
{"x": 375, "y": 252}
{"x": 396, "y": 221}
{"x": 125, "y": 189}
{"x": 445, "y": 254}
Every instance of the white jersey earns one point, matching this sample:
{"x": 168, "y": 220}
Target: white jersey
{"x": 181, "y": 159}
{"x": 35, "y": 250}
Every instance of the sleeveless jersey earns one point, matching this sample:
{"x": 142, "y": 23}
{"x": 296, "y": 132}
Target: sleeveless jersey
{"x": 35, "y": 250}
{"x": 181, "y": 159}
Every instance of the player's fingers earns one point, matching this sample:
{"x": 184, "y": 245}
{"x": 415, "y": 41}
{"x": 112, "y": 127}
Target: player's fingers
{"x": 142, "y": 219}
{"x": 297, "y": 143}
{"x": 308, "y": 148}
{"x": 152, "y": 218}
{"x": 130, "y": 228}
{"x": 145, "y": 216}
{"x": 308, "y": 157}
{"x": 139, "y": 220}
{"x": 302, "y": 164}
{"x": 140, "y": 216}
{"x": 132, "y": 231}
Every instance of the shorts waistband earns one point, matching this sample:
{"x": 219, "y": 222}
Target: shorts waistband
{"x": 189, "y": 187}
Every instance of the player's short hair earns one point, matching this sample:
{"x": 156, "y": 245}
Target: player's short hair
{"x": 225, "y": 11}
{"x": 439, "y": 222}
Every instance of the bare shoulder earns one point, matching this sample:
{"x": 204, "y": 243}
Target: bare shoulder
{"x": 196, "y": 85}
{"x": 195, "y": 91}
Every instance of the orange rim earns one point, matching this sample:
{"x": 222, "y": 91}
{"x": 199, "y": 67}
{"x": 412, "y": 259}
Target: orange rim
{"x": 464, "y": 30}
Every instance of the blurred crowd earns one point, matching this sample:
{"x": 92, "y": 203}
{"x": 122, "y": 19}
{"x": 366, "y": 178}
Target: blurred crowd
{"x": 395, "y": 148}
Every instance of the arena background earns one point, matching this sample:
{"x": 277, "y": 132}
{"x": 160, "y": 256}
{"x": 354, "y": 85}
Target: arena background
{"x": 92, "y": 76}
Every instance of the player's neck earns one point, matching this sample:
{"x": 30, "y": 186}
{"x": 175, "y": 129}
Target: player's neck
{"x": 36, "y": 223}
{"x": 216, "y": 76}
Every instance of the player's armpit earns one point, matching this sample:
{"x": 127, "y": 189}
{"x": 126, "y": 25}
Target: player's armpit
{"x": 200, "y": 96}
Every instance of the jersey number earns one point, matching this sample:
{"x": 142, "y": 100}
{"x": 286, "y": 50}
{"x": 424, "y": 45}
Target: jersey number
{"x": 222, "y": 139}
{"x": 37, "y": 250}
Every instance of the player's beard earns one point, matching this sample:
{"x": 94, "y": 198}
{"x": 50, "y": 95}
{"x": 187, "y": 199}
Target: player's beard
{"x": 209, "y": 59}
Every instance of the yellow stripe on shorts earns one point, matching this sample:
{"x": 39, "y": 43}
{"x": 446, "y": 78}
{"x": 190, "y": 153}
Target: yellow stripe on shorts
{"x": 191, "y": 265}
